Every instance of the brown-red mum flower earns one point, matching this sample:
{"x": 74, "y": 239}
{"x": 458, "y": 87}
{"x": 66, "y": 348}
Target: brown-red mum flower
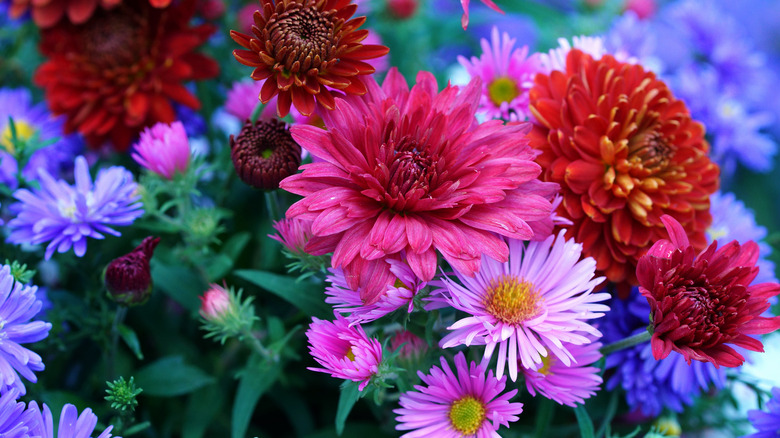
{"x": 625, "y": 153}
{"x": 264, "y": 153}
{"x": 46, "y": 13}
{"x": 700, "y": 303}
{"x": 122, "y": 70}
{"x": 305, "y": 48}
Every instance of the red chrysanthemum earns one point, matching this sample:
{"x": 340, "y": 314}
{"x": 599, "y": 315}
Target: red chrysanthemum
{"x": 411, "y": 171}
{"x": 122, "y": 70}
{"x": 625, "y": 153}
{"x": 301, "y": 48}
{"x": 701, "y": 303}
{"x": 47, "y": 13}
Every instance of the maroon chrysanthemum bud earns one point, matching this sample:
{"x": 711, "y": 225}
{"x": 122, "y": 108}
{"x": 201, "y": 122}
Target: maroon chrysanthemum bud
{"x": 264, "y": 153}
{"x": 128, "y": 278}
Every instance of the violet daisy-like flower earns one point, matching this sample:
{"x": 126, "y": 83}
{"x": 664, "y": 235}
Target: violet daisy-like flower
{"x": 507, "y": 74}
{"x": 344, "y": 351}
{"x": 464, "y": 403}
{"x": 531, "y": 306}
{"x": 163, "y": 149}
{"x": 18, "y": 305}
{"x": 71, "y": 424}
{"x": 567, "y": 385}
{"x": 768, "y": 421}
{"x": 15, "y": 420}
{"x": 66, "y": 215}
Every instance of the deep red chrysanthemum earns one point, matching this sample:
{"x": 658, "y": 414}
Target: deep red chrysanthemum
{"x": 301, "y": 48}
{"x": 122, "y": 70}
{"x": 411, "y": 171}
{"x": 625, "y": 153}
{"x": 700, "y": 303}
{"x": 47, "y": 13}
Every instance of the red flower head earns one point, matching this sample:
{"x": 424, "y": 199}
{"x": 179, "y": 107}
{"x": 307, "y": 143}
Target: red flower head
{"x": 122, "y": 70}
{"x": 625, "y": 153}
{"x": 128, "y": 278}
{"x": 411, "y": 171}
{"x": 701, "y": 303}
{"x": 47, "y": 13}
{"x": 301, "y": 48}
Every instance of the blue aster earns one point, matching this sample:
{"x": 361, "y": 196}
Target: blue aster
{"x": 767, "y": 422}
{"x": 15, "y": 420}
{"x": 71, "y": 424}
{"x": 65, "y": 215}
{"x": 18, "y": 305}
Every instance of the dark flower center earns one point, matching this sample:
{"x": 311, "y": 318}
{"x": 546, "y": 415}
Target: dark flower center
{"x": 302, "y": 35}
{"x": 412, "y": 169}
{"x": 265, "y": 153}
{"x": 652, "y": 149}
{"x": 112, "y": 39}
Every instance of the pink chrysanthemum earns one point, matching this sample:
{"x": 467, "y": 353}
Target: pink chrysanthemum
{"x": 398, "y": 295}
{"x": 528, "y": 306}
{"x": 567, "y": 385}
{"x": 455, "y": 405}
{"x": 164, "y": 149}
{"x": 507, "y": 74}
{"x": 345, "y": 352}
{"x": 410, "y": 170}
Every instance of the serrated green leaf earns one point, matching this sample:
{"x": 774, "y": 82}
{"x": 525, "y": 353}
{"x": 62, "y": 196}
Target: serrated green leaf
{"x": 131, "y": 340}
{"x": 306, "y": 296}
{"x": 347, "y": 398}
{"x": 584, "y": 421}
{"x": 171, "y": 376}
{"x": 255, "y": 380}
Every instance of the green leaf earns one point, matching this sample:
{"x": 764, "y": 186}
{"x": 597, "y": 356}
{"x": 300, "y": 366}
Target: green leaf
{"x": 306, "y": 296}
{"x": 202, "y": 405}
{"x": 140, "y": 427}
{"x": 131, "y": 340}
{"x": 233, "y": 246}
{"x": 350, "y": 393}
{"x": 218, "y": 266}
{"x": 584, "y": 421}
{"x": 179, "y": 283}
{"x": 610, "y": 414}
{"x": 170, "y": 376}
{"x": 255, "y": 380}
{"x": 543, "y": 418}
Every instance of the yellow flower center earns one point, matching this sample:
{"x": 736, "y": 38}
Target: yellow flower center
{"x": 512, "y": 300}
{"x": 502, "y": 90}
{"x": 350, "y": 355}
{"x": 23, "y": 133}
{"x": 717, "y": 233}
{"x": 547, "y": 362}
{"x": 467, "y": 415}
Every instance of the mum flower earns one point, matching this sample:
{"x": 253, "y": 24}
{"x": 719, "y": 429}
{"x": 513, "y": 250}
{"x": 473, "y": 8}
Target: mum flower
{"x": 528, "y": 306}
{"x": 164, "y": 149}
{"x": 410, "y": 170}
{"x": 264, "y": 153}
{"x": 47, "y": 13}
{"x": 700, "y": 303}
{"x": 464, "y": 403}
{"x": 567, "y": 384}
{"x": 344, "y": 352}
{"x": 625, "y": 152}
{"x": 123, "y": 70}
{"x": 65, "y": 215}
{"x": 71, "y": 423}
{"x": 18, "y": 305}
{"x": 303, "y": 49}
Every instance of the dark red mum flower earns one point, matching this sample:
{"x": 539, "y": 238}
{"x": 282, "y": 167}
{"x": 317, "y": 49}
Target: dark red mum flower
{"x": 128, "y": 278}
{"x": 700, "y": 303}
{"x": 122, "y": 70}
{"x": 46, "y": 13}
{"x": 302, "y": 47}
{"x": 625, "y": 153}
{"x": 264, "y": 153}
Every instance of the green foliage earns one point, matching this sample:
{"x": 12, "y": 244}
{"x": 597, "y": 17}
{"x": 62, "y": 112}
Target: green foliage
{"x": 122, "y": 394}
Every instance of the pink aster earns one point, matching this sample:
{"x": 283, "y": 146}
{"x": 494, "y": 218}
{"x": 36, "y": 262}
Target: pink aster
{"x": 567, "y": 385}
{"x": 507, "y": 75}
{"x": 411, "y": 170}
{"x": 466, "y": 403}
{"x": 345, "y": 352}
{"x": 533, "y": 305}
{"x": 164, "y": 149}
{"x": 293, "y": 234}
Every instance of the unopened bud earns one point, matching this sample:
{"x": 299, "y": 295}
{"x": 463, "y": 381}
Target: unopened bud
{"x": 128, "y": 278}
{"x": 215, "y": 304}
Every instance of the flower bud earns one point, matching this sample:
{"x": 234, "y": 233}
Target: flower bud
{"x": 402, "y": 9}
{"x": 264, "y": 153}
{"x": 128, "y": 278}
{"x": 215, "y": 304}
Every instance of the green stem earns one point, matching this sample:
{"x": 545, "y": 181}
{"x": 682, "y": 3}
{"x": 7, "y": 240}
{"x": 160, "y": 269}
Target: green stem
{"x": 630, "y": 341}
{"x": 272, "y": 203}
{"x": 257, "y": 111}
{"x": 119, "y": 318}
{"x": 256, "y": 345}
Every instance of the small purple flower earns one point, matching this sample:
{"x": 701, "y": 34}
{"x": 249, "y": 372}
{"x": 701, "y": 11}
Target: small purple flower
{"x": 15, "y": 420}
{"x": 66, "y": 215}
{"x": 71, "y": 424}
{"x": 767, "y": 422}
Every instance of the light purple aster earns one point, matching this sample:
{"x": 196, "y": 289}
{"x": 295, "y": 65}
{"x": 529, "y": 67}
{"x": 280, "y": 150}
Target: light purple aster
{"x": 66, "y": 215}
{"x": 18, "y": 305}
{"x": 15, "y": 420}
{"x": 768, "y": 421}
{"x": 71, "y": 424}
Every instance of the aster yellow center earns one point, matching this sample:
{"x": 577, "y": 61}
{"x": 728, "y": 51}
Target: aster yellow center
{"x": 23, "y": 133}
{"x": 467, "y": 414}
{"x": 350, "y": 355}
{"x": 512, "y": 300}
{"x": 547, "y": 363}
{"x": 503, "y": 90}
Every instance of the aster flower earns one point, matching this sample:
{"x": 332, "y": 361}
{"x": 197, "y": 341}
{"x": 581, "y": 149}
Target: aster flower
{"x": 625, "y": 153}
{"x": 71, "y": 423}
{"x": 700, "y": 303}
{"x": 46, "y": 13}
{"x": 301, "y": 72}
{"x": 344, "y": 351}
{"x": 567, "y": 385}
{"x": 15, "y": 420}
{"x": 65, "y": 215}
{"x": 507, "y": 75}
{"x": 164, "y": 149}
{"x": 18, "y": 304}
{"x": 409, "y": 170}
{"x": 555, "y": 59}
{"x": 767, "y": 422}
{"x": 122, "y": 70}
{"x": 293, "y": 234}
{"x": 464, "y": 403}
{"x": 529, "y": 305}
{"x": 264, "y": 153}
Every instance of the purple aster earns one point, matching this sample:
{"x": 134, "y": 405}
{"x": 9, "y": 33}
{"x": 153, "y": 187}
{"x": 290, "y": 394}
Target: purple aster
{"x": 66, "y": 215}
{"x": 529, "y": 306}
{"x": 18, "y": 305}
{"x": 631, "y": 36}
{"x": 71, "y": 424}
{"x": 464, "y": 403}
{"x": 767, "y": 422}
{"x": 15, "y": 420}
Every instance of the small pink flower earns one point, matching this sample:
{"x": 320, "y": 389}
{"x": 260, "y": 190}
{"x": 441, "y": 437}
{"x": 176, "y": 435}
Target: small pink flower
{"x": 411, "y": 345}
{"x": 216, "y": 303}
{"x": 293, "y": 234}
{"x": 164, "y": 149}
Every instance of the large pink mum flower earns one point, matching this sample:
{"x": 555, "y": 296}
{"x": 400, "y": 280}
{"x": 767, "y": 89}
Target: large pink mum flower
{"x": 410, "y": 170}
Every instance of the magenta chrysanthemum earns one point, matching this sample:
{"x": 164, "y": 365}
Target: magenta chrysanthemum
{"x": 528, "y": 306}
{"x": 567, "y": 385}
{"x": 465, "y": 403}
{"x": 345, "y": 352}
{"x": 410, "y": 170}
{"x": 507, "y": 75}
